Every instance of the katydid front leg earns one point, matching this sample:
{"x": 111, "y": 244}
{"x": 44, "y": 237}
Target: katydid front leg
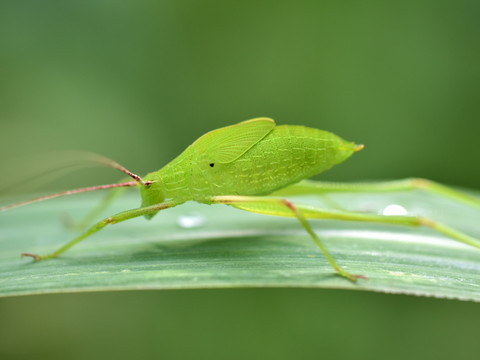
{"x": 95, "y": 213}
{"x": 122, "y": 216}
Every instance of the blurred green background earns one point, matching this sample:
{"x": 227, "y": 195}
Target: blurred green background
{"x": 138, "y": 81}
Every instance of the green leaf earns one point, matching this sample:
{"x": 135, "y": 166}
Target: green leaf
{"x": 200, "y": 246}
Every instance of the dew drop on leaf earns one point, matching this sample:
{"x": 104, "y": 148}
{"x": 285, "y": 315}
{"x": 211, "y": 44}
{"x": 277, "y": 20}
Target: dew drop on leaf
{"x": 192, "y": 220}
{"x": 394, "y": 209}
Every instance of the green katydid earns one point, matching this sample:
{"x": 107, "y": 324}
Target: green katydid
{"x": 253, "y": 166}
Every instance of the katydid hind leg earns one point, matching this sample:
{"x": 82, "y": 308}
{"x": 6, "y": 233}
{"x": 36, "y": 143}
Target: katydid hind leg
{"x": 265, "y": 206}
{"x": 122, "y": 216}
{"x": 275, "y": 206}
{"x": 312, "y": 212}
{"x": 307, "y": 187}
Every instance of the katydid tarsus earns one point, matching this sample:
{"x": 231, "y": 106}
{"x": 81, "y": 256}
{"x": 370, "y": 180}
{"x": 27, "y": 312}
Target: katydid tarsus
{"x": 254, "y": 166}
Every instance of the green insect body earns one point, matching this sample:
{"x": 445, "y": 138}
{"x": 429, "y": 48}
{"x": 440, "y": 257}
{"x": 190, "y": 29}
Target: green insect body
{"x": 239, "y": 165}
{"x": 254, "y": 157}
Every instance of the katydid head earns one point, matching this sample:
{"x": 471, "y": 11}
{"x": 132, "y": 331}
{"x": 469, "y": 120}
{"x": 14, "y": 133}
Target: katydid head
{"x": 152, "y": 192}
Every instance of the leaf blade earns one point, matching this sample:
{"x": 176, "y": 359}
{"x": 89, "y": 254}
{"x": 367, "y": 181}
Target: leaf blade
{"x": 239, "y": 249}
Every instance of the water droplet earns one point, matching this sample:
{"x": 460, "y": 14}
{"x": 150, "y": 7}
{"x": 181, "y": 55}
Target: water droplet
{"x": 394, "y": 209}
{"x": 190, "y": 221}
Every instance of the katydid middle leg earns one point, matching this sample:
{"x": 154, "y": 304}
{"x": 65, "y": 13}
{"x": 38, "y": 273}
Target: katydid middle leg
{"x": 282, "y": 207}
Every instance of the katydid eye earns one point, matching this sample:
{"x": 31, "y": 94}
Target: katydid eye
{"x": 212, "y": 164}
